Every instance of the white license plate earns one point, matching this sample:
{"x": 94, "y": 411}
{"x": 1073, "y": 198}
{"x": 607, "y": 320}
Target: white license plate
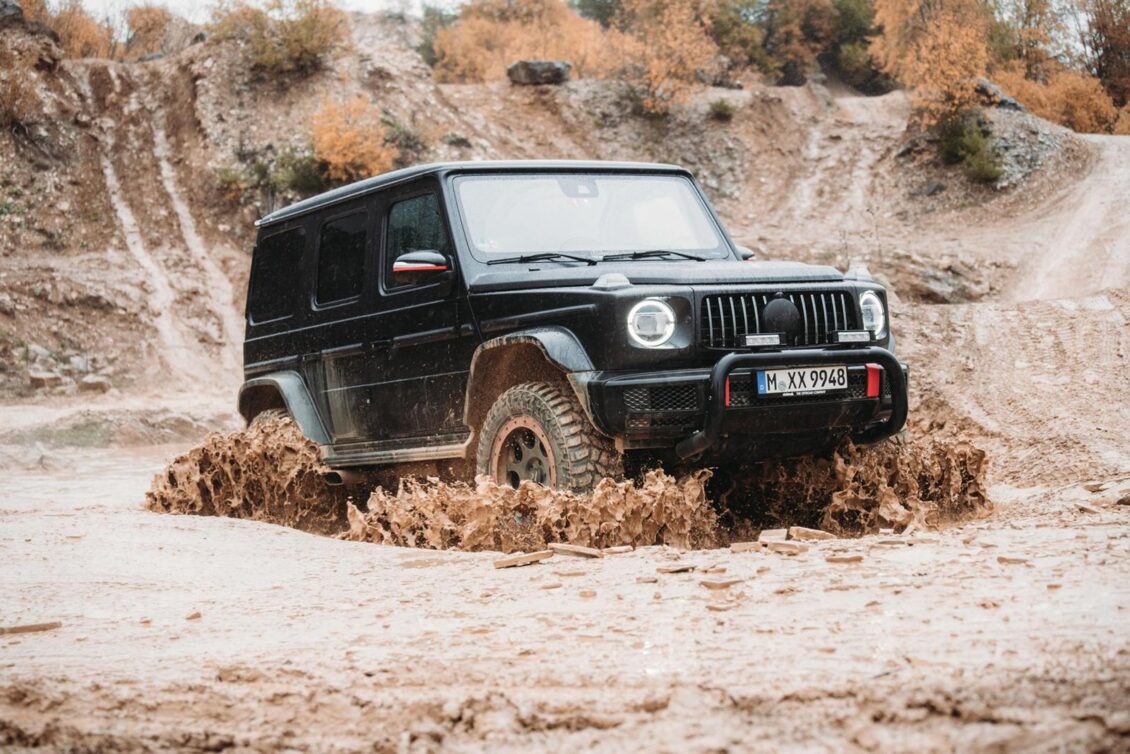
{"x": 802, "y": 381}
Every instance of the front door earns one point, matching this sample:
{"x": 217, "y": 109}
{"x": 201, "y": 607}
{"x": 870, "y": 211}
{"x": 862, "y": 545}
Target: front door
{"x": 424, "y": 379}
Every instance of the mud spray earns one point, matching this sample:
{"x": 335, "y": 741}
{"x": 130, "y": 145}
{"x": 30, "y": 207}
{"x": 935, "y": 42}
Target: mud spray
{"x": 270, "y": 472}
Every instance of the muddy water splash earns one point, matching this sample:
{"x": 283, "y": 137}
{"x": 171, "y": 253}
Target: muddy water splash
{"x": 269, "y": 472}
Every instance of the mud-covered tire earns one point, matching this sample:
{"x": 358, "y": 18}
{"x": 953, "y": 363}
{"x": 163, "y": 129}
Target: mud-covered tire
{"x": 580, "y": 456}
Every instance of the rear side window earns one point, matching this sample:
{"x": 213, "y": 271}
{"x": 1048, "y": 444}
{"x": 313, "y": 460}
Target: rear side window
{"x": 341, "y": 258}
{"x": 414, "y": 225}
{"x": 276, "y": 275}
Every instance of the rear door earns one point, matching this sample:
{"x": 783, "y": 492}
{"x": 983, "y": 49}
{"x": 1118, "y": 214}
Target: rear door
{"x": 339, "y": 358}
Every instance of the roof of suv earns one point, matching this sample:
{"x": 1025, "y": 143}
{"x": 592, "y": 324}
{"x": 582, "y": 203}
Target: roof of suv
{"x": 369, "y": 185}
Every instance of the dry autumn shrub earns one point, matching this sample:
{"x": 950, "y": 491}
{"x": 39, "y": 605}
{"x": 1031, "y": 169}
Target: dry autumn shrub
{"x": 1122, "y": 125}
{"x": 491, "y": 34}
{"x": 670, "y": 50}
{"x": 283, "y": 36}
{"x": 939, "y": 48}
{"x": 147, "y": 28}
{"x": 1071, "y": 98}
{"x": 18, "y": 100}
{"x": 80, "y": 35}
{"x": 350, "y": 139}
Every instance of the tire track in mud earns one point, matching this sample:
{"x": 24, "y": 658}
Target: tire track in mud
{"x": 180, "y": 350}
{"x": 217, "y": 286}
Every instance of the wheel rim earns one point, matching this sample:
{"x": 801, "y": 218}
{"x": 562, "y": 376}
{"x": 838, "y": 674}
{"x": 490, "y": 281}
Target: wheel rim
{"x": 521, "y": 452}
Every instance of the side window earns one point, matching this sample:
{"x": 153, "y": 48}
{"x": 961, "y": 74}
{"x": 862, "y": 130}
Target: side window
{"x": 341, "y": 258}
{"x": 276, "y": 275}
{"x": 413, "y": 225}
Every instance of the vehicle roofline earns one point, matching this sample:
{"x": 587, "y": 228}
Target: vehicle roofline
{"x": 443, "y": 169}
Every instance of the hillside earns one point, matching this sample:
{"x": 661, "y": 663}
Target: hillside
{"x": 125, "y": 252}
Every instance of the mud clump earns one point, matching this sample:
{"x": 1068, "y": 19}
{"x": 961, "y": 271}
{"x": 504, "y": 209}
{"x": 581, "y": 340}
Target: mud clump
{"x": 267, "y": 472}
{"x": 270, "y": 472}
{"x": 861, "y": 489}
{"x": 659, "y": 509}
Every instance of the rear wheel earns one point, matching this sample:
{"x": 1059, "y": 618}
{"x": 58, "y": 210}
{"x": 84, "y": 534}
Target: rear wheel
{"x": 538, "y": 432}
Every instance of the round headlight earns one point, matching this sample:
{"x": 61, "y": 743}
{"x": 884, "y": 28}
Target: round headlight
{"x": 874, "y": 316}
{"x": 651, "y": 323}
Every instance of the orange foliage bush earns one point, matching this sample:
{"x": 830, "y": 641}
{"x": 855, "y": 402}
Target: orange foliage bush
{"x": 492, "y": 34}
{"x": 1069, "y": 97}
{"x": 18, "y": 100}
{"x": 670, "y": 49}
{"x": 350, "y": 139}
{"x": 80, "y": 35}
{"x": 1122, "y": 125}
{"x": 937, "y": 47}
{"x": 283, "y": 36}
{"x": 147, "y": 27}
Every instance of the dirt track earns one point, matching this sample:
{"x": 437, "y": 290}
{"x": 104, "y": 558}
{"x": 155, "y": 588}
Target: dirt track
{"x": 1004, "y": 633}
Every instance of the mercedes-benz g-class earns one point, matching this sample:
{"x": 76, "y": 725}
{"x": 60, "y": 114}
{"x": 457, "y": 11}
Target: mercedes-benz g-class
{"x": 544, "y": 320}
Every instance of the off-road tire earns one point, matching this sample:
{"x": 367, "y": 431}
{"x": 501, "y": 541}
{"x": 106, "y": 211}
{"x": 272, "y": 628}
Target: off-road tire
{"x": 581, "y": 455}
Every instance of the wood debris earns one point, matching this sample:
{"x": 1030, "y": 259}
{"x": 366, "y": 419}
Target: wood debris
{"x": 686, "y": 568}
{"x": 745, "y": 546}
{"x": 30, "y": 628}
{"x": 1007, "y": 560}
{"x": 844, "y": 558}
{"x": 618, "y": 550}
{"x": 787, "y": 548}
{"x": 523, "y": 559}
{"x": 773, "y": 535}
{"x": 576, "y": 550}
{"x": 811, "y": 535}
{"x": 716, "y": 585}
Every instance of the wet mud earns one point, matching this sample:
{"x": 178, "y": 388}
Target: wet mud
{"x": 270, "y": 472}
{"x": 267, "y": 472}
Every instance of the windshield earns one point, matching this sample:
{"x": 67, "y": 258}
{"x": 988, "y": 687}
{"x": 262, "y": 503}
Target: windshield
{"x": 584, "y": 214}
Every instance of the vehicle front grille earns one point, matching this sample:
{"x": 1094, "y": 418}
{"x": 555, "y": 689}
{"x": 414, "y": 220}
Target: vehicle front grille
{"x": 662, "y": 398}
{"x": 726, "y": 318}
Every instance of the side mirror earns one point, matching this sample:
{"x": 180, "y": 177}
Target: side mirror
{"x": 745, "y": 253}
{"x": 415, "y": 263}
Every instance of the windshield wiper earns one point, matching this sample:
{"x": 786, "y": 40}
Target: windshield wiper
{"x": 550, "y": 256}
{"x": 653, "y": 254}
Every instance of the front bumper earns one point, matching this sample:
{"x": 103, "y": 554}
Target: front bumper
{"x": 694, "y": 409}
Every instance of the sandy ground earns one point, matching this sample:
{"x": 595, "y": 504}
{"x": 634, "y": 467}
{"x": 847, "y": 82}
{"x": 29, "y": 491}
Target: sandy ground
{"x": 1004, "y": 633}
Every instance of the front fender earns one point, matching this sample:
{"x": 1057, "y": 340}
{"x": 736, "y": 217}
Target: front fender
{"x": 289, "y": 387}
{"x": 493, "y": 369}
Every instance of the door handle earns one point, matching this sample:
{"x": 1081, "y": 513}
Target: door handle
{"x": 377, "y": 346}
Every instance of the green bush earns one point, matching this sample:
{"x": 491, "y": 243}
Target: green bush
{"x": 434, "y": 19}
{"x": 722, "y": 110}
{"x": 297, "y": 171}
{"x": 964, "y": 141}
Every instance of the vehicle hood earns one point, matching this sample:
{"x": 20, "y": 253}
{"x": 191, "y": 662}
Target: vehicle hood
{"x": 721, "y": 272}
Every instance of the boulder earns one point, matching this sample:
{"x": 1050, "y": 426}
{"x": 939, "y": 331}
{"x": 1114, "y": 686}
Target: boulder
{"x": 994, "y": 95}
{"x": 94, "y": 383}
{"x": 10, "y": 11}
{"x": 40, "y": 380}
{"x": 535, "y": 72}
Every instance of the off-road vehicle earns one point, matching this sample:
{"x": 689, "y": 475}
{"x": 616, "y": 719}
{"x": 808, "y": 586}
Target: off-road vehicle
{"x": 545, "y": 320}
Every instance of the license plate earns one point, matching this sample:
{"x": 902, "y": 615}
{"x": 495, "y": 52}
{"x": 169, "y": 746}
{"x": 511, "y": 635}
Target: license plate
{"x": 802, "y": 381}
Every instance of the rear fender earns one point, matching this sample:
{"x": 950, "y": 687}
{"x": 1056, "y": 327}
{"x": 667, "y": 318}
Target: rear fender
{"x": 283, "y": 390}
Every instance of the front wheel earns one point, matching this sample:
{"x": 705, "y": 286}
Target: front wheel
{"x": 538, "y": 432}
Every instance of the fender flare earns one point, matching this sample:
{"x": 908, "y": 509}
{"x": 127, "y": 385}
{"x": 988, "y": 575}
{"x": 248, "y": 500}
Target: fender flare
{"x": 290, "y": 386}
{"x": 559, "y": 346}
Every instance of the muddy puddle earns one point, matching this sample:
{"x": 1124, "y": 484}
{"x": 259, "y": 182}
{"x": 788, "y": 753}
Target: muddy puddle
{"x": 269, "y": 472}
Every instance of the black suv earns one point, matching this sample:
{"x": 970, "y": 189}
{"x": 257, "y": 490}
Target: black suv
{"x": 543, "y": 320}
